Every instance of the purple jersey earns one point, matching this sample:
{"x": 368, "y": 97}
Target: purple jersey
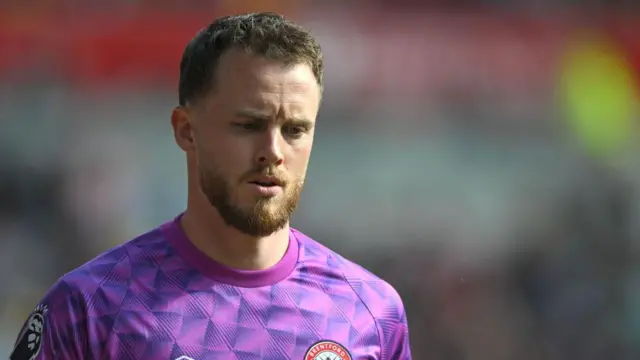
{"x": 158, "y": 297}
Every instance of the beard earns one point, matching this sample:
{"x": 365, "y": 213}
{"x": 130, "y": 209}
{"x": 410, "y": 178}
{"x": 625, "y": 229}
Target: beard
{"x": 264, "y": 217}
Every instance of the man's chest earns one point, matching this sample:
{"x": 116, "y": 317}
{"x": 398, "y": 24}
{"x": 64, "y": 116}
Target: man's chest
{"x": 247, "y": 325}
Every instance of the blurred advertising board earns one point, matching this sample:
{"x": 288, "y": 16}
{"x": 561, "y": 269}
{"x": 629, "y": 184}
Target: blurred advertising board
{"x": 369, "y": 53}
{"x": 476, "y": 54}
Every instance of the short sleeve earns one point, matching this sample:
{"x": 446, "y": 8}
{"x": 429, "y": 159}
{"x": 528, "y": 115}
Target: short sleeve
{"x": 395, "y": 331}
{"x": 55, "y": 329}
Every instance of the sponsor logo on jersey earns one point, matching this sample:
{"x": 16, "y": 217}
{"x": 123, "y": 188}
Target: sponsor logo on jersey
{"x": 30, "y": 341}
{"x": 327, "y": 350}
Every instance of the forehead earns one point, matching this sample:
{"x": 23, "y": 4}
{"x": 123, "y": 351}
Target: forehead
{"x": 258, "y": 81}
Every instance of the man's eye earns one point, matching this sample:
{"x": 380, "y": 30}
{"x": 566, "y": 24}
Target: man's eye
{"x": 295, "y": 131}
{"x": 248, "y": 126}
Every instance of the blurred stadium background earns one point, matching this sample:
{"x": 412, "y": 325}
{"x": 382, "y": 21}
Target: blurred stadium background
{"x": 483, "y": 156}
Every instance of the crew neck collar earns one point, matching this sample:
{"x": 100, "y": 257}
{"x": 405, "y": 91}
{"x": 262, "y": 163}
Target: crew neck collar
{"x": 225, "y": 274}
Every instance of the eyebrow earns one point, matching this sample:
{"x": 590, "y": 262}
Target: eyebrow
{"x": 262, "y": 116}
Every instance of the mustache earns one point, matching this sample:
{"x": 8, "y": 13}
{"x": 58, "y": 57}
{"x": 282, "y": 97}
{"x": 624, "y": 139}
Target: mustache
{"x": 266, "y": 171}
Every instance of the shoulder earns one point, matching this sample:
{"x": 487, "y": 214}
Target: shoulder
{"x": 380, "y": 297}
{"x": 102, "y": 282}
{"x": 80, "y": 309}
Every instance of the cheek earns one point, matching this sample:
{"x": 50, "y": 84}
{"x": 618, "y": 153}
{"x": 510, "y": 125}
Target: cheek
{"x": 224, "y": 162}
{"x": 208, "y": 162}
{"x": 299, "y": 159}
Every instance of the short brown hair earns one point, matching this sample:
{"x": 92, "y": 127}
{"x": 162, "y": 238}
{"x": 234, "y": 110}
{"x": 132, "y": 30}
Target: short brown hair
{"x": 264, "y": 34}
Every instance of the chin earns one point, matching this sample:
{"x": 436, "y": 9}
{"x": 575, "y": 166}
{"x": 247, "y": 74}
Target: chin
{"x": 259, "y": 199}
{"x": 269, "y": 205}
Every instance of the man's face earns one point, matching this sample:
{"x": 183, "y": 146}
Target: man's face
{"x": 252, "y": 140}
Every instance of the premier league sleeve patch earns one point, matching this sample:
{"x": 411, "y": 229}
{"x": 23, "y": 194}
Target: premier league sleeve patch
{"x": 327, "y": 350}
{"x": 30, "y": 341}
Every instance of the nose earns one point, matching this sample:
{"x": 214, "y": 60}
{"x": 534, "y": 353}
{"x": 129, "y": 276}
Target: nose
{"x": 270, "y": 150}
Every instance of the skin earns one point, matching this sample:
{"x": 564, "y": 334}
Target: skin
{"x": 258, "y": 119}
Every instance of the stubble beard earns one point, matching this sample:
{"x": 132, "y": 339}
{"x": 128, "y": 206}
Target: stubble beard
{"x": 263, "y": 218}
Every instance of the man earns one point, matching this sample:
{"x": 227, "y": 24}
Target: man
{"x": 228, "y": 278}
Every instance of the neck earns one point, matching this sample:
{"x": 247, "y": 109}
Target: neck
{"x": 207, "y": 231}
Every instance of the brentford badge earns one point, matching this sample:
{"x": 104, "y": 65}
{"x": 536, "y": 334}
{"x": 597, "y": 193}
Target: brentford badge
{"x": 327, "y": 350}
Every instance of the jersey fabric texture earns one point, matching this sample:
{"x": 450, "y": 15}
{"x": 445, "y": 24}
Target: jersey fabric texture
{"x": 159, "y": 297}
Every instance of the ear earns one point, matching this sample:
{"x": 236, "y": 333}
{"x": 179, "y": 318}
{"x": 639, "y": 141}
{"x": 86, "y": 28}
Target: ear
{"x": 182, "y": 128}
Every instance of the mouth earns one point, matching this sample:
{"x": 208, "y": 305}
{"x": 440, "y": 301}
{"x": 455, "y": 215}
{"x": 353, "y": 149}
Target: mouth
{"x": 267, "y": 187}
{"x": 267, "y": 181}
{"x": 263, "y": 183}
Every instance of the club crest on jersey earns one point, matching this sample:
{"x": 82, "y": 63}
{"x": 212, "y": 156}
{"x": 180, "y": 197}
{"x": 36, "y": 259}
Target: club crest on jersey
{"x": 30, "y": 340}
{"x": 327, "y": 350}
